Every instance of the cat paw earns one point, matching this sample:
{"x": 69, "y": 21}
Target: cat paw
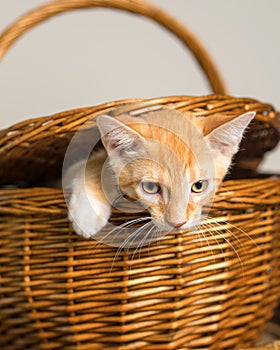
{"x": 87, "y": 214}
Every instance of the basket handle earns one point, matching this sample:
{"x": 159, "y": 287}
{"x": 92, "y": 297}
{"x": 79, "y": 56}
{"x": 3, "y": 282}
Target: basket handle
{"x": 42, "y": 13}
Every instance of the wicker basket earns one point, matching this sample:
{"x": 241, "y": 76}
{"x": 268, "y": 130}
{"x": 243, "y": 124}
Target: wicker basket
{"x": 213, "y": 288}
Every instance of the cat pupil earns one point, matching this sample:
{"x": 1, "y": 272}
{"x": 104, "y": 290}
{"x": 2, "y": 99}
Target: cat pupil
{"x": 200, "y": 186}
{"x": 150, "y": 187}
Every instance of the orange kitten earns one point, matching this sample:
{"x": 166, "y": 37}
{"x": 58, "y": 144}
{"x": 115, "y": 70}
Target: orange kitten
{"x": 170, "y": 163}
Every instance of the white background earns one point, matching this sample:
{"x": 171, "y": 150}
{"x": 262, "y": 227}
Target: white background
{"x": 92, "y": 56}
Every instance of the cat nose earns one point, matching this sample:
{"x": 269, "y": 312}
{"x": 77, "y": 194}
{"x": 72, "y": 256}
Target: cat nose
{"x": 180, "y": 224}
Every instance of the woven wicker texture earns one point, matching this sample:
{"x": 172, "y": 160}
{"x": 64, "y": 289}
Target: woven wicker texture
{"x": 208, "y": 289}
{"x": 213, "y": 288}
{"x": 274, "y": 346}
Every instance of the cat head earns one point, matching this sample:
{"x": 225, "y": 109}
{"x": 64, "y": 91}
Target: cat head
{"x": 171, "y": 163}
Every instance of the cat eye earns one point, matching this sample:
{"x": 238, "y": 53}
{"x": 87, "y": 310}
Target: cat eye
{"x": 200, "y": 186}
{"x": 150, "y": 187}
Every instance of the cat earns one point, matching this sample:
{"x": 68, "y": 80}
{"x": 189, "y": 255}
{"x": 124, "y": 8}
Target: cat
{"x": 171, "y": 163}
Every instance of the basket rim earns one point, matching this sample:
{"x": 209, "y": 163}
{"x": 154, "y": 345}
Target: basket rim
{"x": 45, "y": 139}
{"x": 271, "y": 117}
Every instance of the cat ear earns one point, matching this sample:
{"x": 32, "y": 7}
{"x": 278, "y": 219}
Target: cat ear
{"x": 226, "y": 137}
{"x": 116, "y": 136}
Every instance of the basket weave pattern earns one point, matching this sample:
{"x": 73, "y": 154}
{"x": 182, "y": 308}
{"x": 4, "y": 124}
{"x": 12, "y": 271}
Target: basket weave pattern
{"x": 197, "y": 290}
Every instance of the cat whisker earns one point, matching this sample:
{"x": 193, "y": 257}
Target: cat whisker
{"x": 234, "y": 235}
{"x": 213, "y": 226}
{"x": 96, "y": 243}
{"x": 125, "y": 225}
{"x": 199, "y": 236}
{"x": 203, "y": 226}
{"x": 243, "y": 232}
{"x": 219, "y": 228}
{"x": 130, "y": 237}
{"x": 140, "y": 245}
{"x": 136, "y": 233}
{"x": 134, "y": 221}
{"x": 157, "y": 233}
{"x": 223, "y": 228}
